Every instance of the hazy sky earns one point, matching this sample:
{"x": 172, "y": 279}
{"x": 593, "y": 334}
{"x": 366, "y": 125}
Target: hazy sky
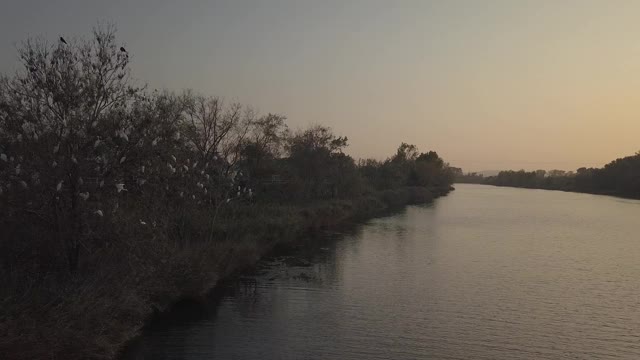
{"x": 487, "y": 84}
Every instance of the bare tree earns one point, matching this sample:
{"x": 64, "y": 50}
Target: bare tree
{"x": 217, "y": 132}
{"x": 67, "y": 131}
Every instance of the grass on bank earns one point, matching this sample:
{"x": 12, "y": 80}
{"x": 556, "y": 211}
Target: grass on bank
{"x": 95, "y": 312}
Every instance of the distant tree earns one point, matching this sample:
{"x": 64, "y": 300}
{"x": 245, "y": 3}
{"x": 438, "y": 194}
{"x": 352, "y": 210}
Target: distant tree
{"x": 269, "y": 134}
{"x": 471, "y": 177}
{"x": 406, "y": 152}
{"x": 456, "y": 171}
{"x": 216, "y": 132}
{"x": 262, "y": 152}
{"x": 431, "y": 157}
{"x": 318, "y": 166}
{"x": 428, "y": 169}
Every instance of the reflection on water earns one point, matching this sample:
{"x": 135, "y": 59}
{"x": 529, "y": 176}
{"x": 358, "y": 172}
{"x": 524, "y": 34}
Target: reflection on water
{"x": 484, "y": 273}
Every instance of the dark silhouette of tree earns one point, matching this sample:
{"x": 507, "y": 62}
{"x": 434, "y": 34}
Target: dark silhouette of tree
{"x": 620, "y": 177}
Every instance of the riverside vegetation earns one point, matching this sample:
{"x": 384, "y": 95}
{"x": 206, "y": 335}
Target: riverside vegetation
{"x": 620, "y": 177}
{"x": 116, "y": 201}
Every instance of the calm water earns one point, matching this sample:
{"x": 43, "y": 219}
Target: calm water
{"x": 484, "y": 273}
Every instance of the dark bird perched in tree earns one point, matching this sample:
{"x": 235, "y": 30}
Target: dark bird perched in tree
{"x": 123, "y": 49}
{"x": 62, "y": 40}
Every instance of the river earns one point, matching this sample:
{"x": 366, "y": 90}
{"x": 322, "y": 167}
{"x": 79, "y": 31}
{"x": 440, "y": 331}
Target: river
{"x": 483, "y": 273}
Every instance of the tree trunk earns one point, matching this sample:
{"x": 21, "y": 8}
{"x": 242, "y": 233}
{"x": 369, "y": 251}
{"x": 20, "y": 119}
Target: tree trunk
{"x": 73, "y": 242}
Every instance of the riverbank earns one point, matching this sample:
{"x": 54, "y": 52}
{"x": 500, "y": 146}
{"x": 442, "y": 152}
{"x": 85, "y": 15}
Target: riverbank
{"x": 93, "y": 315}
{"x": 578, "y": 191}
{"x": 465, "y": 275}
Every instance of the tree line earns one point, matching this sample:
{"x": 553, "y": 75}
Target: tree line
{"x": 620, "y": 177}
{"x": 81, "y": 146}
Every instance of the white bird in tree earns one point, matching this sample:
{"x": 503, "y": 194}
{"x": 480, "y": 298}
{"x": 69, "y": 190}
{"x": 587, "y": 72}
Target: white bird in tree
{"x": 54, "y": 164}
{"x": 73, "y": 159}
{"x": 3, "y": 157}
{"x": 122, "y": 159}
{"x": 122, "y": 134}
{"x": 200, "y": 185}
{"x": 142, "y": 169}
{"x": 155, "y": 141}
{"x": 84, "y": 196}
{"x": 185, "y": 167}
{"x": 24, "y": 184}
{"x": 80, "y": 181}
{"x": 142, "y": 222}
{"x": 173, "y": 158}
{"x": 171, "y": 168}
{"x": 99, "y": 213}
{"x": 97, "y": 143}
{"x": 59, "y": 186}
{"x": 120, "y": 187}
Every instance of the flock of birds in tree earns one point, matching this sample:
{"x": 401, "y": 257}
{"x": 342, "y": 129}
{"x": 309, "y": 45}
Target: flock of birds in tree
{"x": 119, "y": 186}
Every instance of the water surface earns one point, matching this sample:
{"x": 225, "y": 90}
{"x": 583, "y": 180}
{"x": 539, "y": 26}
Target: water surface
{"x": 484, "y": 273}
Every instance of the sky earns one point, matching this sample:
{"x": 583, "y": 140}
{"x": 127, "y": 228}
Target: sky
{"x": 489, "y": 85}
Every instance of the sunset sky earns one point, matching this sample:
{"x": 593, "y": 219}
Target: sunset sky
{"x": 487, "y": 84}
